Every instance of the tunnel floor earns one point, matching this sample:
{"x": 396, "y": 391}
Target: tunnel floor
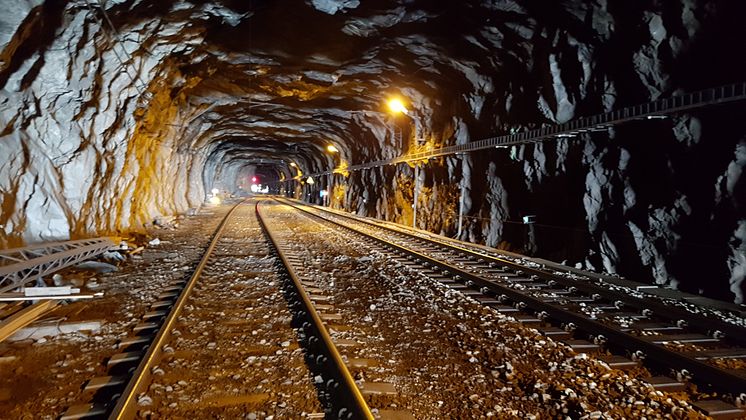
{"x": 425, "y": 349}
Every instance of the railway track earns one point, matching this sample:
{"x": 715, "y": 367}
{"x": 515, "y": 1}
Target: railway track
{"x": 246, "y": 335}
{"x": 347, "y": 398}
{"x": 294, "y": 332}
{"x": 221, "y": 344}
{"x": 687, "y": 350}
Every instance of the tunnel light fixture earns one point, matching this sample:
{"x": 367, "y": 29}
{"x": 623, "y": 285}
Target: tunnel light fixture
{"x": 331, "y": 149}
{"x": 309, "y": 181}
{"x": 293, "y": 164}
{"x": 215, "y": 191}
{"x": 396, "y": 106}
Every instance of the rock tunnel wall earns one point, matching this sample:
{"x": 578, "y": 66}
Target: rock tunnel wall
{"x": 90, "y": 128}
{"x": 660, "y": 200}
{"x": 107, "y": 124}
{"x": 650, "y": 200}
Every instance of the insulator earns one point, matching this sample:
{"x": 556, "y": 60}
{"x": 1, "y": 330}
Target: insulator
{"x": 681, "y": 323}
{"x": 543, "y": 315}
{"x": 570, "y": 327}
{"x": 718, "y": 334}
{"x": 619, "y": 304}
{"x": 647, "y": 312}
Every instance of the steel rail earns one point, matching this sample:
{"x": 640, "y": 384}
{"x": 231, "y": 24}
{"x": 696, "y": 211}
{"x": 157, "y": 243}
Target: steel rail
{"x": 352, "y": 395}
{"x": 733, "y": 333}
{"x": 126, "y": 407}
{"x": 701, "y": 371}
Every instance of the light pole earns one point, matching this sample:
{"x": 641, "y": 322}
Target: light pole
{"x": 416, "y": 194}
{"x": 461, "y": 203}
{"x": 309, "y": 193}
{"x": 291, "y": 182}
{"x": 330, "y": 185}
{"x": 396, "y": 106}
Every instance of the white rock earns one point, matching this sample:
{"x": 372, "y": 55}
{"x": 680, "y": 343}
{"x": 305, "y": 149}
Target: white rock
{"x": 57, "y": 279}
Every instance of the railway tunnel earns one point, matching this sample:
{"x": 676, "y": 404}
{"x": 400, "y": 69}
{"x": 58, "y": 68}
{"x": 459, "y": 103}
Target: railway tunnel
{"x": 599, "y": 139}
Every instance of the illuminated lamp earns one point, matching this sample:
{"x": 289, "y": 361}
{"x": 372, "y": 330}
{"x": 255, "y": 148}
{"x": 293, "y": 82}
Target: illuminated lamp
{"x": 397, "y": 107}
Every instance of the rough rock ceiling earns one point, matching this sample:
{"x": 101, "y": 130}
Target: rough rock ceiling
{"x": 258, "y": 77}
{"x": 263, "y": 76}
{"x": 240, "y": 79}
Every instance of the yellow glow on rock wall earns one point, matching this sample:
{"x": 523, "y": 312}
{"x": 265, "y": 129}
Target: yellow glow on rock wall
{"x": 338, "y": 196}
{"x": 152, "y": 156}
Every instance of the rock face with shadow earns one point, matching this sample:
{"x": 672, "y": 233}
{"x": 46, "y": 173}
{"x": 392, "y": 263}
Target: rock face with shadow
{"x": 116, "y": 112}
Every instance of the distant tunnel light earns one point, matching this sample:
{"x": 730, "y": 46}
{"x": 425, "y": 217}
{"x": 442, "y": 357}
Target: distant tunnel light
{"x": 309, "y": 180}
{"x": 215, "y": 191}
{"x": 293, "y": 164}
{"x": 397, "y": 107}
{"x": 331, "y": 149}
